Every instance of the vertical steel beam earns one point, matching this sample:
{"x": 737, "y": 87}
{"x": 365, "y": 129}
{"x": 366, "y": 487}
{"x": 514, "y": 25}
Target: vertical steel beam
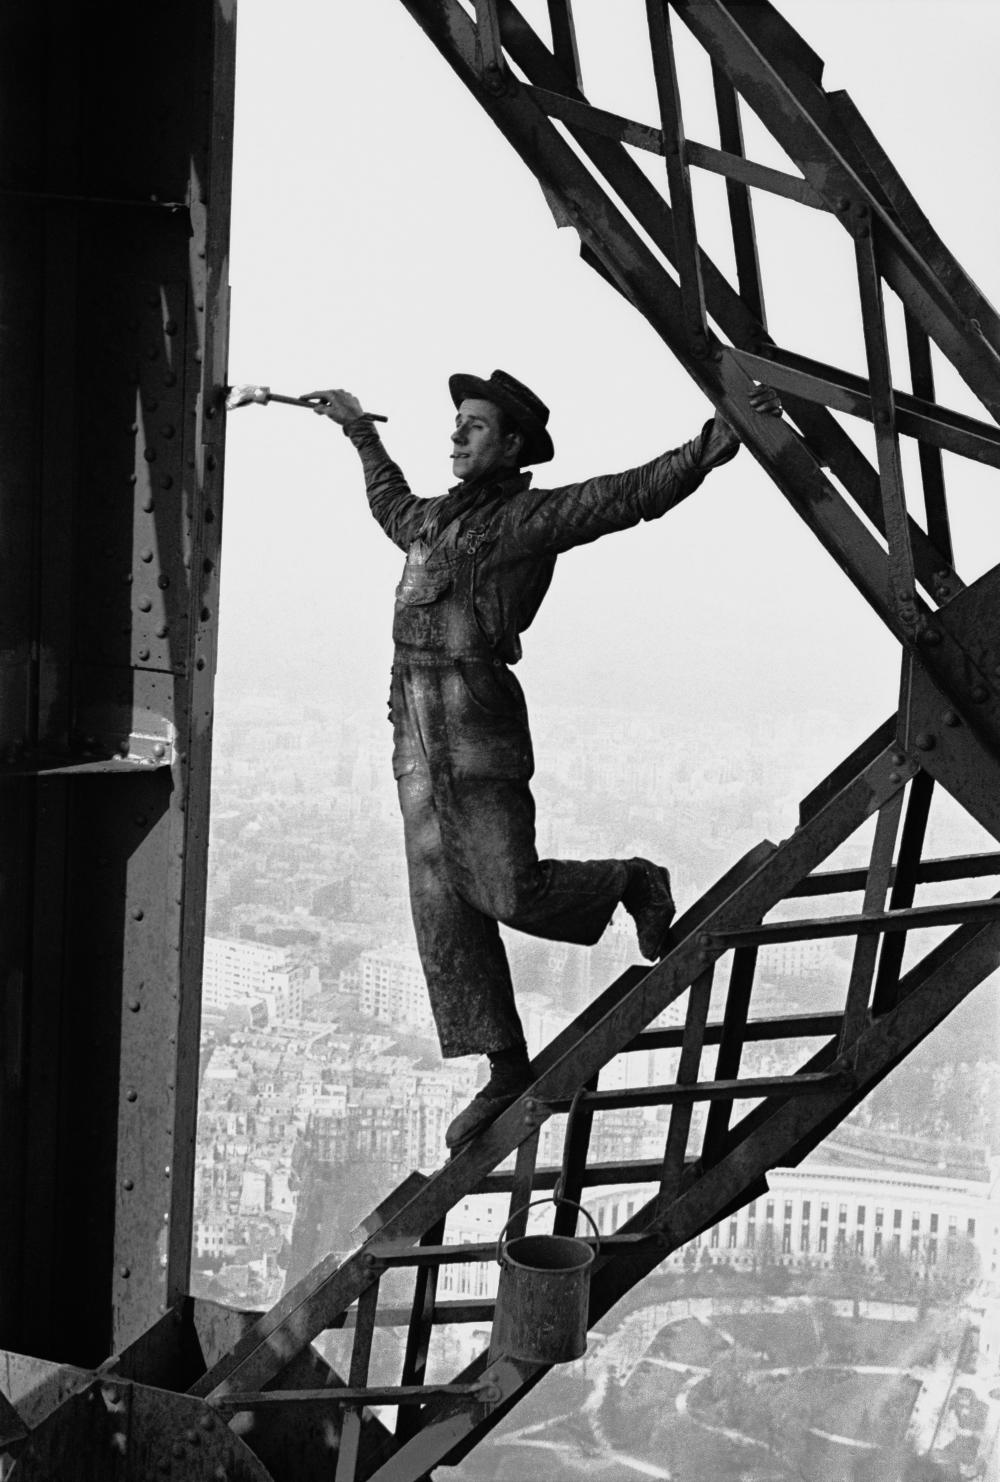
{"x": 686, "y": 254}
{"x": 564, "y": 47}
{"x": 115, "y": 128}
{"x": 931, "y": 462}
{"x": 727, "y": 107}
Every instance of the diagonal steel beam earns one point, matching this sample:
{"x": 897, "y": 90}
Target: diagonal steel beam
{"x": 452, "y": 1425}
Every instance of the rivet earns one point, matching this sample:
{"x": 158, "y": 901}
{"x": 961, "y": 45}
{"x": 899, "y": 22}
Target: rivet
{"x": 199, "y": 663}
{"x": 137, "y": 913}
{"x": 979, "y": 693}
{"x": 166, "y": 481}
{"x": 206, "y": 613}
{"x": 128, "y": 1183}
{"x": 209, "y": 565}
{"x": 842, "y": 203}
{"x": 950, "y": 718}
{"x": 863, "y": 232}
{"x": 146, "y": 554}
{"x": 894, "y": 777}
{"x": 170, "y": 327}
{"x": 163, "y": 582}
{"x": 206, "y": 1422}
{"x": 134, "y": 1005}
{"x": 166, "y": 1171}
{"x": 162, "y": 630}
{"x": 898, "y": 758}
{"x": 125, "y": 1272}
{"x": 931, "y": 636}
{"x": 924, "y": 741}
{"x": 143, "y": 653}
{"x": 211, "y": 461}
{"x": 147, "y": 504}
{"x": 704, "y": 940}
{"x": 131, "y": 1094}
{"x": 124, "y": 745}
{"x": 192, "y": 1436}
{"x": 903, "y": 596}
{"x": 883, "y": 416}
{"x": 133, "y": 427}
{"x": 209, "y": 516}
{"x": 167, "y": 430}
{"x": 145, "y": 603}
{"x": 159, "y": 749}
{"x": 150, "y": 455}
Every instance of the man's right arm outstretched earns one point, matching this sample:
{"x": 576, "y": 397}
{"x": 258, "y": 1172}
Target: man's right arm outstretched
{"x": 398, "y": 510}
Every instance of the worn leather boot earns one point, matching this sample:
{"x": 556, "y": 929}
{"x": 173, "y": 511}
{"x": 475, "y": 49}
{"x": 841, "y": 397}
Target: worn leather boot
{"x": 649, "y": 902}
{"x": 510, "y": 1075}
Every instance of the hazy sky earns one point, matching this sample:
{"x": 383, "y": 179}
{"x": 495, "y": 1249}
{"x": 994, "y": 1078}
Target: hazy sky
{"x": 385, "y": 234}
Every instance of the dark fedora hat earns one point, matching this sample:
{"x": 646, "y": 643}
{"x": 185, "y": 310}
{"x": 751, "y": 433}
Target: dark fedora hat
{"x": 523, "y": 407}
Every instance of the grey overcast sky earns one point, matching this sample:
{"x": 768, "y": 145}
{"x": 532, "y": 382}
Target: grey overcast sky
{"x": 384, "y": 235}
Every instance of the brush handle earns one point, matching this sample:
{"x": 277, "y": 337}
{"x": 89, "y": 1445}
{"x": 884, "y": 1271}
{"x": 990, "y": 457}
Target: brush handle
{"x": 298, "y": 401}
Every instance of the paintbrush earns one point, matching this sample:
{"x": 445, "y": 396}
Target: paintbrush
{"x": 244, "y": 396}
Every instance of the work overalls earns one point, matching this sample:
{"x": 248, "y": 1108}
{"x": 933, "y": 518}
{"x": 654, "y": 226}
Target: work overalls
{"x": 462, "y": 758}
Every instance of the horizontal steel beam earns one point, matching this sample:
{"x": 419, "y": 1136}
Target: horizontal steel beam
{"x": 791, "y": 1026}
{"x": 749, "y": 1088}
{"x": 372, "y": 1394}
{"x": 915, "y": 918}
{"x": 955, "y": 867}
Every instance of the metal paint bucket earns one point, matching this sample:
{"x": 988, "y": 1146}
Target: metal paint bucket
{"x": 544, "y": 1294}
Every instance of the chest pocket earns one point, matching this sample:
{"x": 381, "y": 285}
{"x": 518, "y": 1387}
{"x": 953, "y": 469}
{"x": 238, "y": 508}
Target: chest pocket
{"x": 419, "y": 586}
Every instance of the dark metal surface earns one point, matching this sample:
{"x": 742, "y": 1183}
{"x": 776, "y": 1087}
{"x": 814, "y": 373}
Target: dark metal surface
{"x": 114, "y": 152}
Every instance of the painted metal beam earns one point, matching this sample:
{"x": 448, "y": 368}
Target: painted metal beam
{"x": 113, "y": 251}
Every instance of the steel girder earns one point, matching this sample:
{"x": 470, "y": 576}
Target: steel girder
{"x": 115, "y": 136}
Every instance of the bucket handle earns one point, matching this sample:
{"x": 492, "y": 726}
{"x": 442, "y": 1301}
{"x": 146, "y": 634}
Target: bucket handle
{"x": 556, "y": 1202}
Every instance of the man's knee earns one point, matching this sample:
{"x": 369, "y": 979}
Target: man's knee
{"x": 510, "y": 898}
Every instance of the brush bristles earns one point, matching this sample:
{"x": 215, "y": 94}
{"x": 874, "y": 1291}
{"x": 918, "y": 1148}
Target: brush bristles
{"x": 241, "y": 396}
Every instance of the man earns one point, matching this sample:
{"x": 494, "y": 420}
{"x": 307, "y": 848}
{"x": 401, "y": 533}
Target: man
{"x": 479, "y": 560}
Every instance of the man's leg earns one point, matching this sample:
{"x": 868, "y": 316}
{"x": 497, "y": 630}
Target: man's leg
{"x": 488, "y": 833}
{"x": 464, "y": 962}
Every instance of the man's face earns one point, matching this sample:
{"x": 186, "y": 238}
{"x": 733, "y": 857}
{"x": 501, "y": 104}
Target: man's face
{"x": 478, "y": 446}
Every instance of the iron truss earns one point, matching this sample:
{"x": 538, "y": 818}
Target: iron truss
{"x": 289, "y": 1409}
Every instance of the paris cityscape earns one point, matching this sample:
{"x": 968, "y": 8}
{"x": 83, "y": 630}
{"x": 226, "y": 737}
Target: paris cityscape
{"x": 854, "y": 1307}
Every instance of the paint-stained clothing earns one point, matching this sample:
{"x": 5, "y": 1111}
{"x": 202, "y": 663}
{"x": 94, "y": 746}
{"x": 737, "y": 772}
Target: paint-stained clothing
{"x": 479, "y": 560}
